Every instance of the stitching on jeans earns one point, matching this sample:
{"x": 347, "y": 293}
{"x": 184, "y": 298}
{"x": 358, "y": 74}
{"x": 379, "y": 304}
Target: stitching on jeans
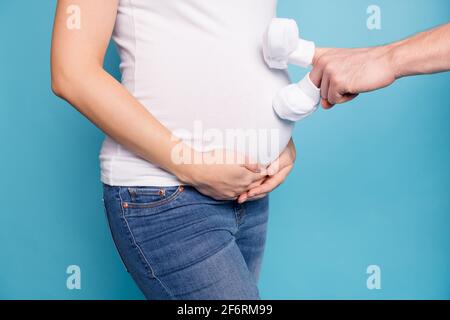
{"x": 239, "y": 212}
{"x": 112, "y": 235}
{"x": 236, "y": 218}
{"x": 139, "y": 248}
{"x": 157, "y": 203}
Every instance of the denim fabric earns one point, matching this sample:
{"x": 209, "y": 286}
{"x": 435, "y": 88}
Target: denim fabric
{"x": 179, "y": 244}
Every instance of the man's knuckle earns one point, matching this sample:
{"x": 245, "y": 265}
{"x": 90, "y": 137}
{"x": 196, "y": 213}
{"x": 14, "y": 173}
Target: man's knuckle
{"x": 330, "y": 67}
{"x": 324, "y": 59}
{"x": 334, "y": 72}
{"x": 338, "y": 78}
{"x": 319, "y": 62}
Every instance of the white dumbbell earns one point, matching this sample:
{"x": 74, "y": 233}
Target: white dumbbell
{"x": 282, "y": 45}
{"x": 297, "y": 101}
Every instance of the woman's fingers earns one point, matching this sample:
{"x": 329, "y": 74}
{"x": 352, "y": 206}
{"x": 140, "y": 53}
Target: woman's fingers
{"x": 257, "y": 183}
{"x": 270, "y": 184}
{"x": 244, "y": 196}
{"x": 275, "y": 174}
{"x": 258, "y": 197}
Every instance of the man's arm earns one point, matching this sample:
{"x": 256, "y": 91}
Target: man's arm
{"x": 424, "y": 53}
{"x": 344, "y": 73}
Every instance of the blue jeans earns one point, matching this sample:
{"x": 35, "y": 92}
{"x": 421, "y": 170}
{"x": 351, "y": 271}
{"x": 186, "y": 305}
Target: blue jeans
{"x": 179, "y": 244}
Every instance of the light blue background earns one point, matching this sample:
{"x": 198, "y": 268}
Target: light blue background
{"x": 371, "y": 185}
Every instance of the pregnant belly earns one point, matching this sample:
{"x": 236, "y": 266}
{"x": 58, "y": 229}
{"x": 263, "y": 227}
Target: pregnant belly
{"x": 238, "y": 118}
{"x": 261, "y": 141}
{"x": 224, "y": 103}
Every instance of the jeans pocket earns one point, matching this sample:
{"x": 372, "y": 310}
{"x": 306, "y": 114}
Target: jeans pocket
{"x": 137, "y": 199}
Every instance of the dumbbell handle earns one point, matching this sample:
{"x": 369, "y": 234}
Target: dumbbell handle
{"x": 304, "y": 54}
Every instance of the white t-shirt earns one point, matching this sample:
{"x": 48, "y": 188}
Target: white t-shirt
{"x": 197, "y": 66}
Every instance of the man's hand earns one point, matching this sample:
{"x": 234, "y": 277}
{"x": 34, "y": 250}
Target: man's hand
{"x": 277, "y": 172}
{"x": 341, "y": 74}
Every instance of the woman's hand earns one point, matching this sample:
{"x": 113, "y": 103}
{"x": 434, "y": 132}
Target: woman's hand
{"x": 277, "y": 173}
{"x": 221, "y": 174}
